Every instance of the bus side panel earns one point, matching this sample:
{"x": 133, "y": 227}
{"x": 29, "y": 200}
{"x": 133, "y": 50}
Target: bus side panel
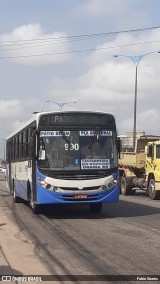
{"x": 21, "y": 176}
{"x": 21, "y": 189}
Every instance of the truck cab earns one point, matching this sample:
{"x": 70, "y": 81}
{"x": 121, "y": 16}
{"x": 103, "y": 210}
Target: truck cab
{"x": 140, "y": 169}
{"x": 152, "y": 152}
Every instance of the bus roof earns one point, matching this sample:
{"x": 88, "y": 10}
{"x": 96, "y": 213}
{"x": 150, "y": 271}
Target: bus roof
{"x": 35, "y": 118}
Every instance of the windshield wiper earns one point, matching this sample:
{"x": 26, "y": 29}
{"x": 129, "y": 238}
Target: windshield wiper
{"x": 93, "y": 138}
{"x": 68, "y": 142}
{"x": 65, "y": 138}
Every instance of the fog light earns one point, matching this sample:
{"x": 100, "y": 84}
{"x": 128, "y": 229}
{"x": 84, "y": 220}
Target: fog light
{"x": 48, "y": 186}
{"x": 110, "y": 185}
{"x": 55, "y": 188}
{"x": 104, "y": 187}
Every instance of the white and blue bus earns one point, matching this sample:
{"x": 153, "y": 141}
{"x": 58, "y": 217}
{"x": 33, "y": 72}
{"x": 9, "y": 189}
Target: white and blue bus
{"x": 64, "y": 158}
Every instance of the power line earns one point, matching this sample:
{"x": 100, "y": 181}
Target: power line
{"x": 76, "y": 37}
{"x": 39, "y": 45}
{"x": 75, "y": 51}
{"x": 46, "y": 41}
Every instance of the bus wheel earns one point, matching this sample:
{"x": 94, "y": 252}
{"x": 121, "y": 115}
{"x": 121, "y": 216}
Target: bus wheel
{"x": 32, "y": 204}
{"x": 95, "y": 207}
{"x": 153, "y": 194}
{"x": 35, "y": 209}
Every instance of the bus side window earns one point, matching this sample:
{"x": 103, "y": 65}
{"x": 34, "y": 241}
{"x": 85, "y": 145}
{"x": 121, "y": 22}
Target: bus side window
{"x": 31, "y": 141}
{"x": 8, "y": 150}
{"x": 16, "y": 146}
{"x": 26, "y": 143}
{"x": 29, "y": 145}
{"x": 12, "y": 149}
{"x": 19, "y": 146}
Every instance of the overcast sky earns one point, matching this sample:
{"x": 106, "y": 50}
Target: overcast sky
{"x": 38, "y": 62}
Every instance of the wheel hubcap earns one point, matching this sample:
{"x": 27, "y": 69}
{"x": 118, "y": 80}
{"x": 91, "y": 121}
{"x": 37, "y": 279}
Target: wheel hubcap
{"x": 152, "y": 188}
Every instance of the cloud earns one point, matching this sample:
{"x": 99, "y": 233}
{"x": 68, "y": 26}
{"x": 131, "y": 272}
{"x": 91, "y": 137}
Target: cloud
{"x": 148, "y": 120}
{"x": 113, "y": 9}
{"x": 109, "y": 83}
{"x": 102, "y": 7}
{"x": 9, "y": 109}
{"x": 14, "y": 112}
{"x": 31, "y": 45}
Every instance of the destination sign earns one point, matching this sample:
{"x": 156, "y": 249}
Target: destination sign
{"x": 95, "y": 164}
{"x": 54, "y": 133}
{"x": 82, "y": 118}
{"x": 92, "y": 133}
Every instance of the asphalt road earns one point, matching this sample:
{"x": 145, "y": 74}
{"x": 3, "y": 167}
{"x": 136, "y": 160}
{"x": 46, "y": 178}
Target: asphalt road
{"x": 124, "y": 239}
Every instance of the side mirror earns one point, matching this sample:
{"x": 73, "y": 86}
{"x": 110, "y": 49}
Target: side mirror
{"x": 42, "y": 155}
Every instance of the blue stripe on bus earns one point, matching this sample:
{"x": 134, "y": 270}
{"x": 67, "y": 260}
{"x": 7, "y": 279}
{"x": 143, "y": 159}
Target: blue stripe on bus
{"x": 47, "y": 197}
{"x": 44, "y": 196}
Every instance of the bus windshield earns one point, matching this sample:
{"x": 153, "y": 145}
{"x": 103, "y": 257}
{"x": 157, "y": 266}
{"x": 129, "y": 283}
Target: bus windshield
{"x": 77, "y": 150}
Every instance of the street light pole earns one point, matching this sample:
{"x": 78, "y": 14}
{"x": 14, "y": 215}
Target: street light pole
{"x": 61, "y": 104}
{"x": 135, "y": 111}
{"x": 136, "y": 60}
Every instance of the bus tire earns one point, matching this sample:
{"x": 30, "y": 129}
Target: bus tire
{"x": 95, "y": 207}
{"x": 34, "y": 207}
{"x": 153, "y": 193}
{"x": 11, "y": 187}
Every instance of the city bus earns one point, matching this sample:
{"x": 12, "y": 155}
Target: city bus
{"x": 64, "y": 158}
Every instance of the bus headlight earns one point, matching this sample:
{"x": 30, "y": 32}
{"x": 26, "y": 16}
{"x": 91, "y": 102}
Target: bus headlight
{"x": 46, "y": 185}
{"x": 55, "y": 188}
{"x": 110, "y": 184}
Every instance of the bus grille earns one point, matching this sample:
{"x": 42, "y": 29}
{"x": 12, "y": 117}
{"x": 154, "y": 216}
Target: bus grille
{"x": 71, "y": 198}
{"x": 77, "y": 189}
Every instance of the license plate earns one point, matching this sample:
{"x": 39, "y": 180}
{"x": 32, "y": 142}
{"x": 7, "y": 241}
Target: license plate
{"x": 80, "y": 196}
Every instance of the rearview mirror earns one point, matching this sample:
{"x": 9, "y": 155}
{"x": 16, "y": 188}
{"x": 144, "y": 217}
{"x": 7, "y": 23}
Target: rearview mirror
{"x": 42, "y": 155}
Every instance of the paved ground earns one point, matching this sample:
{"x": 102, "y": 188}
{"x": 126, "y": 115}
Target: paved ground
{"x": 17, "y": 253}
{"x": 123, "y": 239}
{"x": 4, "y": 265}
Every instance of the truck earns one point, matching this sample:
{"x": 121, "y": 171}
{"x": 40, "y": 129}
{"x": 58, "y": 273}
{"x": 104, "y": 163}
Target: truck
{"x": 140, "y": 169}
